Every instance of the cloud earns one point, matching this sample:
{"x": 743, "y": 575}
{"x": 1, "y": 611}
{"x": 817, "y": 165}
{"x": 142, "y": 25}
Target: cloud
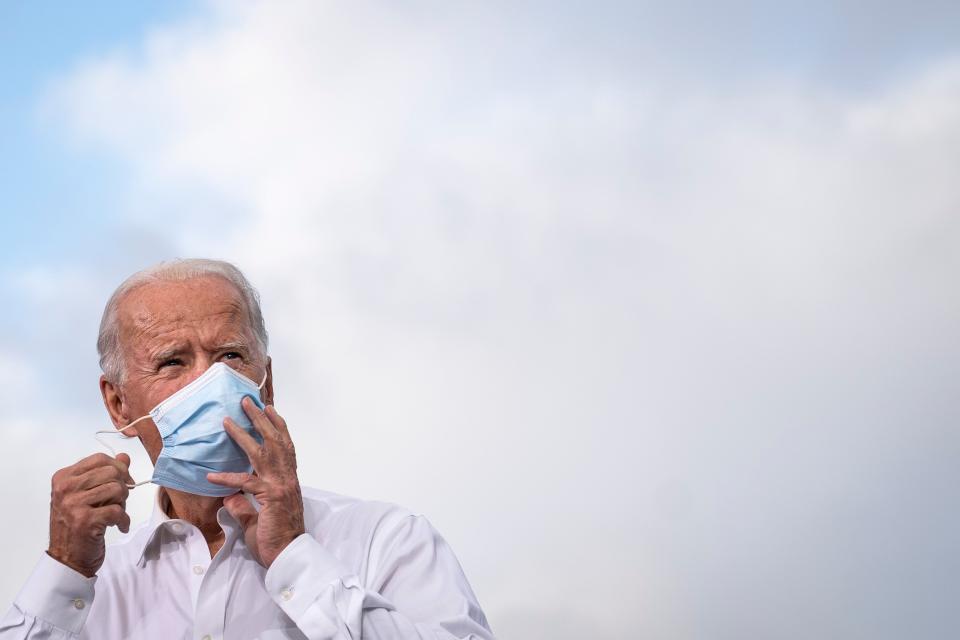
{"x": 674, "y": 358}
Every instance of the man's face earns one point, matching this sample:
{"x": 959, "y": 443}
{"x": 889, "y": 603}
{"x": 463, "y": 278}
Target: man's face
{"x": 170, "y": 334}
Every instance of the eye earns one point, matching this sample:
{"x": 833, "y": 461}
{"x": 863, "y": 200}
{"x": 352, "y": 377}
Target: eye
{"x": 172, "y": 362}
{"x": 231, "y": 355}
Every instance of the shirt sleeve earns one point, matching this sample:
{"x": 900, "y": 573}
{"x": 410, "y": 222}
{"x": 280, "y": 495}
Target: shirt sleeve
{"x": 52, "y": 605}
{"x": 417, "y": 590}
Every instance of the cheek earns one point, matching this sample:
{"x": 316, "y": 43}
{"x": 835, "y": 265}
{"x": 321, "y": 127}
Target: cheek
{"x": 151, "y": 442}
{"x": 142, "y": 398}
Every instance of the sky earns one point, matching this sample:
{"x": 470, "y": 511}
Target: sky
{"x": 651, "y": 310}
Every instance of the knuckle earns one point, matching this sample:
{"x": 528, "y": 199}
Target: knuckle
{"x": 68, "y": 500}
{"x": 60, "y": 477}
{"x": 58, "y": 490}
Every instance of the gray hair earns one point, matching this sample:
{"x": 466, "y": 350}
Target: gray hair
{"x": 180, "y": 270}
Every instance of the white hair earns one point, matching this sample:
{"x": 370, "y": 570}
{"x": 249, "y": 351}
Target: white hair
{"x": 180, "y": 270}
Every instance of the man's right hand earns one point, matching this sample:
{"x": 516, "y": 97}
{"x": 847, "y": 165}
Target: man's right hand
{"x": 85, "y": 499}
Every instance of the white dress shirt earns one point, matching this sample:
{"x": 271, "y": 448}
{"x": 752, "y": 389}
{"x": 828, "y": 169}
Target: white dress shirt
{"x": 362, "y": 569}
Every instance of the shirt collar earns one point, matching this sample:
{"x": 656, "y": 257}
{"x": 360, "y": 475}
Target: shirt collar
{"x": 160, "y": 522}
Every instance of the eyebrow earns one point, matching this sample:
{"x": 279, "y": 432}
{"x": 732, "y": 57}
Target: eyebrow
{"x": 239, "y": 345}
{"x": 170, "y": 352}
{"x": 166, "y": 354}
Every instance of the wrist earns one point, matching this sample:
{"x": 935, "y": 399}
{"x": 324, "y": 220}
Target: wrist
{"x": 67, "y": 561}
{"x": 289, "y": 540}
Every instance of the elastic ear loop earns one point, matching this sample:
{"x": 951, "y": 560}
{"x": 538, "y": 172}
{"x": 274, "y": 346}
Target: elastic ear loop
{"x": 120, "y": 431}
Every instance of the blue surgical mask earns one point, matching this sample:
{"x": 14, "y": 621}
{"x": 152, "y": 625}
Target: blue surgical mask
{"x": 191, "y": 425}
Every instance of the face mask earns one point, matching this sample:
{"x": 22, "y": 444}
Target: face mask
{"x": 191, "y": 425}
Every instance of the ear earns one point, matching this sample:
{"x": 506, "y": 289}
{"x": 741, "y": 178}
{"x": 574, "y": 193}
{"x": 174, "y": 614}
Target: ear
{"x": 113, "y": 401}
{"x": 266, "y": 394}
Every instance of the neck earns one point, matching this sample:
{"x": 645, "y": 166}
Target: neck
{"x": 200, "y": 511}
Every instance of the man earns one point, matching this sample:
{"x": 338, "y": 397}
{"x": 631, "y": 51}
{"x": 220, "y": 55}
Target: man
{"x": 235, "y": 548}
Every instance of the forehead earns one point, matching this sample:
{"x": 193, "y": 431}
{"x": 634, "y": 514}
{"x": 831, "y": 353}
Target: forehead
{"x": 209, "y": 305}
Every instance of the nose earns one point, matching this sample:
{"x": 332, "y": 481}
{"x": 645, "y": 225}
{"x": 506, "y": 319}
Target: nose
{"x": 200, "y": 366}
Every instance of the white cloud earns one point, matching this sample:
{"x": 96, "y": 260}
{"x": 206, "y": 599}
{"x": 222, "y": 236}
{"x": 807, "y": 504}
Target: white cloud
{"x": 639, "y": 351}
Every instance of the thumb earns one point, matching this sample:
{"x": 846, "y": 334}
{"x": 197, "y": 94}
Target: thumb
{"x": 124, "y": 459}
{"x": 241, "y": 509}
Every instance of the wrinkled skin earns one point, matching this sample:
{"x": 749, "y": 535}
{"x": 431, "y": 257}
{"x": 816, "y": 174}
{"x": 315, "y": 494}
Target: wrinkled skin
{"x": 171, "y": 333}
{"x": 85, "y": 499}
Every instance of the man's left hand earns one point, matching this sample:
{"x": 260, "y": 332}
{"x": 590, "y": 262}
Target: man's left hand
{"x": 274, "y": 484}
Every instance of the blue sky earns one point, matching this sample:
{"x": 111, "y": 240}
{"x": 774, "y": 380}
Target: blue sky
{"x": 62, "y": 198}
{"x": 654, "y": 299}
{"x": 59, "y": 200}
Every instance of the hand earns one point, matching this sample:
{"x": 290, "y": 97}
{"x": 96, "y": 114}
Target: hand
{"x": 85, "y": 499}
{"x": 274, "y": 484}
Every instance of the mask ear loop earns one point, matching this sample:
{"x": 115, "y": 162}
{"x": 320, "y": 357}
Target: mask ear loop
{"x": 260, "y": 386}
{"x": 97, "y": 435}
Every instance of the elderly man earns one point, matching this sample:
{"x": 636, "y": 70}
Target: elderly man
{"x": 235, "y": 548}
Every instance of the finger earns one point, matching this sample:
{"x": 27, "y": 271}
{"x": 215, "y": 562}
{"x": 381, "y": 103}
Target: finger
{"x": 243, "y": 439}
{"x": 243, "y": 481}
{"x": 102, "y": 460}
{"x": 241, "y": 509}
{"x": 123, "y": 459}
{"x": 278, "y": 422}
{"x": 110, "y": 493}
{"x": 262, "y": 424}
{"x": 91, "y": 462}
{"x": 98, "y": 476}
{"x": 112, "y": 514}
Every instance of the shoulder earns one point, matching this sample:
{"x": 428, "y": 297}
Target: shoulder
{"x": 368, "y": 535}
{"x": 325, "y": 509}
{"x": 373, "y": 525}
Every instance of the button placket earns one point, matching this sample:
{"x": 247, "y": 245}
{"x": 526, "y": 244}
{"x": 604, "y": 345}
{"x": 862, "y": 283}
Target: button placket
{"x": 210, "y": 606}
{"x": 197, "y": 561}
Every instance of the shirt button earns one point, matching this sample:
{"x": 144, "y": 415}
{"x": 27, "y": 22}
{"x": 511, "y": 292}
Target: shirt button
{"x": 197, "y": 569}
{"x": 177, "y": 527}
{"x": 286, "y": 594}
{"x": 79, "y": 604}
{"x": 206, "y": 637}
